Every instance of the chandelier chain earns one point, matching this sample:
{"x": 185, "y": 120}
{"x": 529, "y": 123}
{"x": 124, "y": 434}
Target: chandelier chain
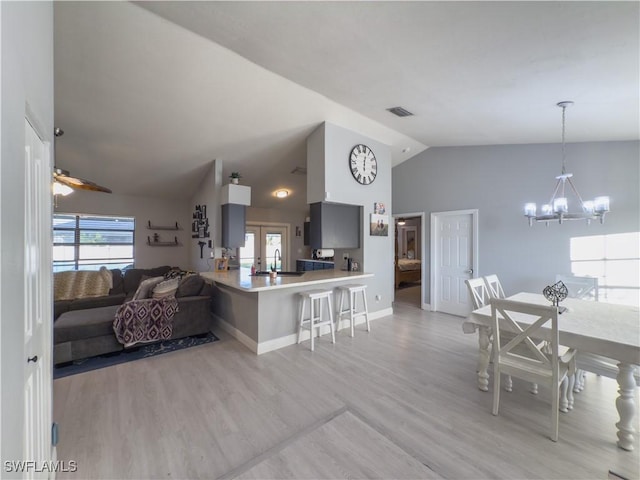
{"x": 564, "y": 169}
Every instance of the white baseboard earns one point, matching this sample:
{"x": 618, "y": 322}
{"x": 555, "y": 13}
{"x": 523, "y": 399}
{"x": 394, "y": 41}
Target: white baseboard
{"x": 426, "y": 306}
{"x": 287, "y": 340}
{"x": 247, "y": 341}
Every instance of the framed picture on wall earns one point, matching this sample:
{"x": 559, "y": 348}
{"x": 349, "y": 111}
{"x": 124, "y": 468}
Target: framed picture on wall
{"x": 379, "y": 225}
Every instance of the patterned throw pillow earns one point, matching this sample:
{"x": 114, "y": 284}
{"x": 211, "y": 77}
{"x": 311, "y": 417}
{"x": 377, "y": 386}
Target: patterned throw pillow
{"x": 166, "y": 289}
{"x": 146, "y": 287}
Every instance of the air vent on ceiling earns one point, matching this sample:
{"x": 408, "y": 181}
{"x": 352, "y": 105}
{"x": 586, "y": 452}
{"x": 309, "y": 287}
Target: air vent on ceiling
{"x": 299, "y": 171}
{"x": 399, "y": 111}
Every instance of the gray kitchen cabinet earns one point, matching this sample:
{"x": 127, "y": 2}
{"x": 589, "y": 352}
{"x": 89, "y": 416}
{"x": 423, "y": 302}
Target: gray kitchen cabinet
{"x": 233, "y": 225}
{"x": 334, "y": 225}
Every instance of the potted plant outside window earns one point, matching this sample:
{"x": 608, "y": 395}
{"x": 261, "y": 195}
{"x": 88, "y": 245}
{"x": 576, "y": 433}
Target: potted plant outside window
{"x": 235, "y": 177}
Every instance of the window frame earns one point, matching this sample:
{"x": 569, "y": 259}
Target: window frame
{"x": 78, "y": 263}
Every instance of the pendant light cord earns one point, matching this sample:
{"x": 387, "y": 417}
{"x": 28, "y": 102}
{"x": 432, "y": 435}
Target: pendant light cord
{"x": 564, "y": 170}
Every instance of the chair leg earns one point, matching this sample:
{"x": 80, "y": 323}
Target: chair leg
{"x": 508, "y": 383}
{"x": 534, "y": 388}
{"x": 555, "y": 397}
{"x": 339, "y": 315}
{"x": 352, "y": 307}
{"x": 333, "y": 333}
{"x": 563, "y": 403}
{"x": 366, "y": 309}
{"x": 311, "y": 321}
{"x": 496, "y": 388}
{"x": 570, "y": 397}
{"x": 301, "y": 319}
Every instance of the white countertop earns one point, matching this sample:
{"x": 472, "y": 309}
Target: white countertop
{"x": 242, "y": 280}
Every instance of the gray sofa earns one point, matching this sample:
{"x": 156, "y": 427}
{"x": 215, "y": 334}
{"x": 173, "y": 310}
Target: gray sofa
{"x": 84, "y": 327}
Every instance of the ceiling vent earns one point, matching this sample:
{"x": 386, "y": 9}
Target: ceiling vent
{"x": 299, "y": 171}
{"x": 400, "y": 112}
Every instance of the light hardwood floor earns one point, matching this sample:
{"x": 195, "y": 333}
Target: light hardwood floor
{"x": 218, "y": 410}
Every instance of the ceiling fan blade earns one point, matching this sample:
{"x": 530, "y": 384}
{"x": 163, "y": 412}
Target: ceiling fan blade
{"x": 62, "y": 176}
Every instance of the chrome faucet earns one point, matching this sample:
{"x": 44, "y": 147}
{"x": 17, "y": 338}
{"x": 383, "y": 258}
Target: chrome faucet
{"x": 276, "y": 257}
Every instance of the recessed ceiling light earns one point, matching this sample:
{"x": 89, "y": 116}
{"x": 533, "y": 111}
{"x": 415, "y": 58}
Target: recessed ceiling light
{"x": 282, "y": 193}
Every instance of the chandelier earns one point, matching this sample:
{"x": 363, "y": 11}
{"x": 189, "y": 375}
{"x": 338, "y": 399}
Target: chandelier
{"x": 558, "y": 206}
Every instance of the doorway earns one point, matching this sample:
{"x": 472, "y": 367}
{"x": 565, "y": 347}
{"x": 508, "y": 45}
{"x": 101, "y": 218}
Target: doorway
{"x": 454, "y": 259}
{"x": 265, "y": 246}
{"x": 409, "y": 259}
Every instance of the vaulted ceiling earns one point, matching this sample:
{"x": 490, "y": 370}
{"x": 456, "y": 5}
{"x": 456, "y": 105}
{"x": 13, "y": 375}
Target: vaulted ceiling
{"x": 150, "y": 93}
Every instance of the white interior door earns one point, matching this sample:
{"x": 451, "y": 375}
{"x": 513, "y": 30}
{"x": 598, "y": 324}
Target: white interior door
{"x": 454, "y": 259}
{"x": 265, "y": 246}
{"x": 37, "y": 309}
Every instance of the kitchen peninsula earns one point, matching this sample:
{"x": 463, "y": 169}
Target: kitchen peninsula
{"x": 263, "y": 313}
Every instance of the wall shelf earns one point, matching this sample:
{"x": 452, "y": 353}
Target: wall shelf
{"x": 163, "y": 227}
{"x": 158, "y": 243}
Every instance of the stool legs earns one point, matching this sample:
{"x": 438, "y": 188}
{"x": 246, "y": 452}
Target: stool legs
{"x": 366, "y": 309}
{"x": 315, "y": 320}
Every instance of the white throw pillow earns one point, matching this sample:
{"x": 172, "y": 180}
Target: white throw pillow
{"x": 166, "y": 289}
{"x": 146, "y": 287}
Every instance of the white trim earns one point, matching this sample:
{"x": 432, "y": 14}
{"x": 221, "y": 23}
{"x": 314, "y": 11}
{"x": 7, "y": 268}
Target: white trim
{"x": 247, "y": 341}
{"x": 288, "y": 340}
{"x": 433, "y": 244}
{"x": 423, "y": 253}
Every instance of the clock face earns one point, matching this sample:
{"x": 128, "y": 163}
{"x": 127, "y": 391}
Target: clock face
{"x": 363, "y": 164}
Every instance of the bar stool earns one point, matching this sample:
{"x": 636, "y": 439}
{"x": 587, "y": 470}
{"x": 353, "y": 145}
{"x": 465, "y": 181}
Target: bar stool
{"x": 315, "y": 319}
{"x": 352, "y": 290}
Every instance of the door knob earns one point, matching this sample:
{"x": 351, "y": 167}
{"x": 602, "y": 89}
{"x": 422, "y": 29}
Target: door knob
{"x": 33, "y": 359}
{"x": 469, "y": 271}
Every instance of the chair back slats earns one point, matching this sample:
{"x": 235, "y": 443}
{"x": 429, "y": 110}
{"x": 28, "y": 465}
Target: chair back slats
{"x": 505, "y": 315}
{"x": 494, "y": 287}
{"x": 478, "y": 291}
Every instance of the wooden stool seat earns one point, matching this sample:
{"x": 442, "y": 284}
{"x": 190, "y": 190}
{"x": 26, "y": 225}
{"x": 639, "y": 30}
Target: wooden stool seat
{"x": 315, "y": 319}
{"x": 350, "y": 309}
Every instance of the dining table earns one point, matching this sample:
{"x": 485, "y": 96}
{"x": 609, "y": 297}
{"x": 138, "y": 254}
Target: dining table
{"x": 598, "y": 328}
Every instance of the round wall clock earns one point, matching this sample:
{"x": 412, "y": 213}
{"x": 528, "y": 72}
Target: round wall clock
{"x": 363, "y": 164}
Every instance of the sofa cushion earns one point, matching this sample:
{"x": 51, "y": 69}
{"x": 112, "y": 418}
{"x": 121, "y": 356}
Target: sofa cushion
{"x": 166, "y": 288}
{"x": 59, "y": 307}
{"x": 146, "y": 287}
{"x": 80, "y": 324}
{"x": 133, "y": 277}
{"x": 118, "y": 282}
{"x": 190, "y": 286}
{"x": 96, "y": 302}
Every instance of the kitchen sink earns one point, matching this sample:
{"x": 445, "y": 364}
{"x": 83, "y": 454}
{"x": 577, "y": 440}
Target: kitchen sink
{"x": 264, "y": 273}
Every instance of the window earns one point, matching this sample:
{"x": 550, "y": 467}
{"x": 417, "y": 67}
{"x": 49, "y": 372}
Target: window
{"x": 87, "y": 242}
{"x": 615, "y": 260}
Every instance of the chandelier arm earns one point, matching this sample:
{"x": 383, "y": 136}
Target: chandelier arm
{"x": 573, "y": 187}
{"x": 555, "y": 191}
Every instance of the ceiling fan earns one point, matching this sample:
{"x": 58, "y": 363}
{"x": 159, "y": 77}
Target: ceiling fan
{"x": 63, "y": 177}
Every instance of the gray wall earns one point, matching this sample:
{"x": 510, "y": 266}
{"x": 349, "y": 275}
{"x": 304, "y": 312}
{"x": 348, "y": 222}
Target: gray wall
{"x": 207, "y": 193}
{"x": 26, "y": 29}
{"x": 332, "y": 166}
{"x": 499, "y": 180}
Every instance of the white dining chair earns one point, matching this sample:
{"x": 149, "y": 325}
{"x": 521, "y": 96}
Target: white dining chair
{"x": 547, "y": 365}
{"x": 495, "y": 290}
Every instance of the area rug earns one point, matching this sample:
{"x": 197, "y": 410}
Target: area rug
{"x": 144, "y": 351}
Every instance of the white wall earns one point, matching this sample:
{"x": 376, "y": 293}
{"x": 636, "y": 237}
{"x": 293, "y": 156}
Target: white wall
{"x": 144, "y": 209}
{"x": 26, "y": 82}
{"x": 499, "y": 180}
{"x": 376, "y": 253}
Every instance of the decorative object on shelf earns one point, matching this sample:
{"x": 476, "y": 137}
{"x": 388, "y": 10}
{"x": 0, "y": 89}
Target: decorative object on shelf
{"x": 558, "y": 206}
{"x": 201, "y": 244}
{"x": 379, "y": 225}
{"x": 156, "y": 242}
{"x": 378, "y": 207}
{"x": 221, "y": 264}
{"x": 363, "y": 164}
{"x": 163, "y": 227}
{"x": 555, "y": 294}
{"x": 235, "y": 177}
{"x": 200, "y": 223}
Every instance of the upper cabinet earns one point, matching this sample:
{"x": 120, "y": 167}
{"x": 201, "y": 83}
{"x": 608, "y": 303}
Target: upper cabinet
{"x": 335, "y": 225}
